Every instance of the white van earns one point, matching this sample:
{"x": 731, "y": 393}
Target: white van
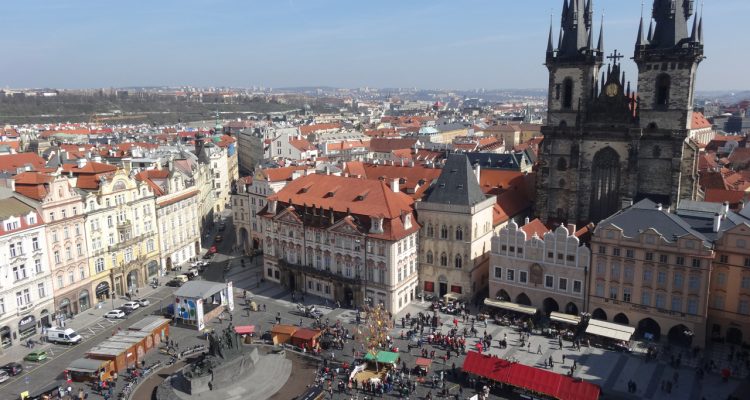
{"x": 63, "y": 335}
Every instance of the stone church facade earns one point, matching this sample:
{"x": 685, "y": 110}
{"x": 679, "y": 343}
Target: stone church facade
{"x": 606, "y": 145}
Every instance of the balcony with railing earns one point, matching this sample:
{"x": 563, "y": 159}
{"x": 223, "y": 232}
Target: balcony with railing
{"x": 325, "y": 273}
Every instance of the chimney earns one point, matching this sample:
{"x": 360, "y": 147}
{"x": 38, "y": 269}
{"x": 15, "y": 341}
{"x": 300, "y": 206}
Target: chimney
{"x": 81, "y": 162}
{"x": 571, "y": 229}
{"x": 741, "y": 205}
{"x": 658, "y": 207}
{"x": 726, "y": 207}
{"x": 717, "y": 222}
{"x": 477, "y": 171}
{"x": 394, "y": 185}
{"x": 127, "y": 164}
{"x": 526, "y": 221}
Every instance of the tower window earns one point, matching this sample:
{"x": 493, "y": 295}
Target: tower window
{"x": 663, "y": 83}
{"x": 562, "y": 165}
{"x": 567, "y": 94}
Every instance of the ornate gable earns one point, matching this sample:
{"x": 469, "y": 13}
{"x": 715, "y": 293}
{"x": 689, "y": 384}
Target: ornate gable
{"x": 288, "y": 215}
{"x": 346, "y": 226}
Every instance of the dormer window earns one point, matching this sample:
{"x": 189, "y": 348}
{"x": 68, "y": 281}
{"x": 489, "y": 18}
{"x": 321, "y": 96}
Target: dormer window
{"x": 377, "y": 225}
{"x": 407, "y": 221}
{"x": 31, "y": 219}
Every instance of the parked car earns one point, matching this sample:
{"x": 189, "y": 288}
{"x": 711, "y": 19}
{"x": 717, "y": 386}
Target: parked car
{"x": 132, "y": 304}
{"x": 38, "y": 355}
{"x": 192, "y": 273}
{"x": 63, "y": 335}
{"x": 4, "y": 376}
{"x": 13, "y": 368}
{"x": 174, "y": 283}
{"x": 115, "y": 314}
{"x": 143, "y": 302}
{"x": 218, "y": 238}
{"x": 169, "y": 311}
{"x": 126, "y": 310}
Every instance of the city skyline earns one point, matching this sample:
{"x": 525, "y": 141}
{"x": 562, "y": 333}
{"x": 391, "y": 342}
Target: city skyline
{"x": 446, "y": 45}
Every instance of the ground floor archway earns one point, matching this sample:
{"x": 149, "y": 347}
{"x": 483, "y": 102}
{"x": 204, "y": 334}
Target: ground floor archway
{"x": 648, "y": 329}
{"x": 621, "y": 319}
{"x": 292, "y": 287}
{"x": 502, "y": 295}
{"x": 244, "y": 239}
{"x": 348, "y": 296}
{"x": 571, "y": 308}
{"x": 680, "y": 335}
{"x": 101, "y": 291}
{"x": 550, "y": 305}
{"x": 169, "y": 263}
{"x": 599, "y": 314}
{"x": 523, "y": 299}
{"x": 256, "y": 244}
{"x": 734, "y": 336}
{"x": 132, "y": 281}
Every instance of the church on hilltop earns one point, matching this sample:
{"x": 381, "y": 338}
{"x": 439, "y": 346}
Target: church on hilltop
{"x": 607, "y": 145}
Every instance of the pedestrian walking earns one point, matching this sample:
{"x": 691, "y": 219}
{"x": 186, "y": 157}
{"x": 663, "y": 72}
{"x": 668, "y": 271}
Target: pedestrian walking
{"x": 539, "y": 349}
{"x": 529, "y": 347}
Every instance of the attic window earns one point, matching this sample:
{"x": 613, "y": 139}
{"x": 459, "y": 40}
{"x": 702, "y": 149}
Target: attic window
{"x": 460, "y": 186}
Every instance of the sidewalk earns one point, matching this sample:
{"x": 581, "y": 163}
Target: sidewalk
{"x": 79, "y": 323}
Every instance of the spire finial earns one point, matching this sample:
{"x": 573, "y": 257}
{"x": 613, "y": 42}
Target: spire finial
{"x": 600, "y": 45}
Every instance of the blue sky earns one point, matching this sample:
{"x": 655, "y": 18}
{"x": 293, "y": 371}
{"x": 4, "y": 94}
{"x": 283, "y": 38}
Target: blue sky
{"x": 463, "y": 44}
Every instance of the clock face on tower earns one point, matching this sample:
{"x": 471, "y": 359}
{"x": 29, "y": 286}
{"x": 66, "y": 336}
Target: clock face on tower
{"x": 612, "y": 89}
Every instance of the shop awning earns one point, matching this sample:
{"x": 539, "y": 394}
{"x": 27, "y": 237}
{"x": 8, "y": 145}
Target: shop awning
{"x": 244, "y": 329}
{"x": 529, "y": 378}
{"x": 610, "y": 330}
{"x": 385, "y": 357}
{"x": 86, "y": 365}
{"x": 565, "y": 318}
{"x": 510, "y": 306}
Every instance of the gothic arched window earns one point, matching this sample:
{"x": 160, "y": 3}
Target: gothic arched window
{"x": 567, "y": 98}
{"x": 562, "y": 164}
{"x": 443, "y": 232}
{"x": 663, "y": 84}
{"x": 459, "y": 233}
{"x": 443, "y": 259}
{"x": 430, "y": 231}
{"x": 429, "y": 257}
{"x": 605, "y": 184}
{"x": 459, "y": 261}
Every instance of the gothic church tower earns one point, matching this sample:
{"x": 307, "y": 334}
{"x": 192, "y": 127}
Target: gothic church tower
{"x": 604, "y": 145}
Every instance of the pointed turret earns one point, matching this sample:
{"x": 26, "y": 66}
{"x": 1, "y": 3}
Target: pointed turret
{"x": 550, "y": 49}
{"x": 650, "y": 36}
{"x": 559, "y": 39}
{"x": 588, "y": 14}
{"x": 671, "y": 19}
{"x": 575, "y": 32}
{"x": 694, "y": 32}
{"x": 639, "y": 42}
{"x": 590, "y": 40}
{"x": 600, "y": 45}
{"x": 700, "y": 30}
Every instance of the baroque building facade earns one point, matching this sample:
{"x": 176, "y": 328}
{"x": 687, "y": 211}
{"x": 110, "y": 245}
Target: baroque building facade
{"x": 348, "y": 240}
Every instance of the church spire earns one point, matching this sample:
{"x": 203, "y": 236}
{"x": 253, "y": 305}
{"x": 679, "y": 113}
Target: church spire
{"x": 671, "y": 19}
{"x": 700, "y": 30}
{"x": 600, "y": 45}
{"x": 650, "y": 36}
{"x": 550, "y": 49}
{"x": 694, "y": 32}
{"x": 639, "y": 41}
{"x": 575, "y": 30}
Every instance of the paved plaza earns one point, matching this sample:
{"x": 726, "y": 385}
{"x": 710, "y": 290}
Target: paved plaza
{"x": 611, "y": 370}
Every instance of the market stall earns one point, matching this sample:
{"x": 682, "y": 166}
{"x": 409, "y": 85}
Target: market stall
{"x": 198, "y": 302}
{"x": 306, "y": 338}
{"x": 610, "y": 335}
{"x": 246, "y": 331}
{"x": 530, "y": 381}
{"x": 89, "y": 369}
{"x": 282, "y": 333}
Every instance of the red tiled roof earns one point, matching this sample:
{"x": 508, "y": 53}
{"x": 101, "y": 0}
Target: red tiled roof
{"x": 535, "y": 227}
{"x": 13, "y": 144}
{"x": 733, "y": 197}
{"x": 699, "y": 121}
{"x": 179, "y": 198}
{"x": 511, "y": 203}
{"x": 347, "y": 145}
{"x": 382, "y": 145}
{"x": 308, "y": 129}
{"x": 16, "y": 204}
{"x": 301, "y": 144}
{"x": 11, "y": 162}
{"x": 32, "y": 184}
{"x": 340, "y": 193}
{"x": 281, "y": 174}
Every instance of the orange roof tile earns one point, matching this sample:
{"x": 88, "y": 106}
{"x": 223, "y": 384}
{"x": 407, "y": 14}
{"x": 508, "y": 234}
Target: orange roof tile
{"x": 535, "y": 227}
{"x": 699, "y": 121}
{"x": 11, "y": 162}
{"x": 281, "y": 174}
